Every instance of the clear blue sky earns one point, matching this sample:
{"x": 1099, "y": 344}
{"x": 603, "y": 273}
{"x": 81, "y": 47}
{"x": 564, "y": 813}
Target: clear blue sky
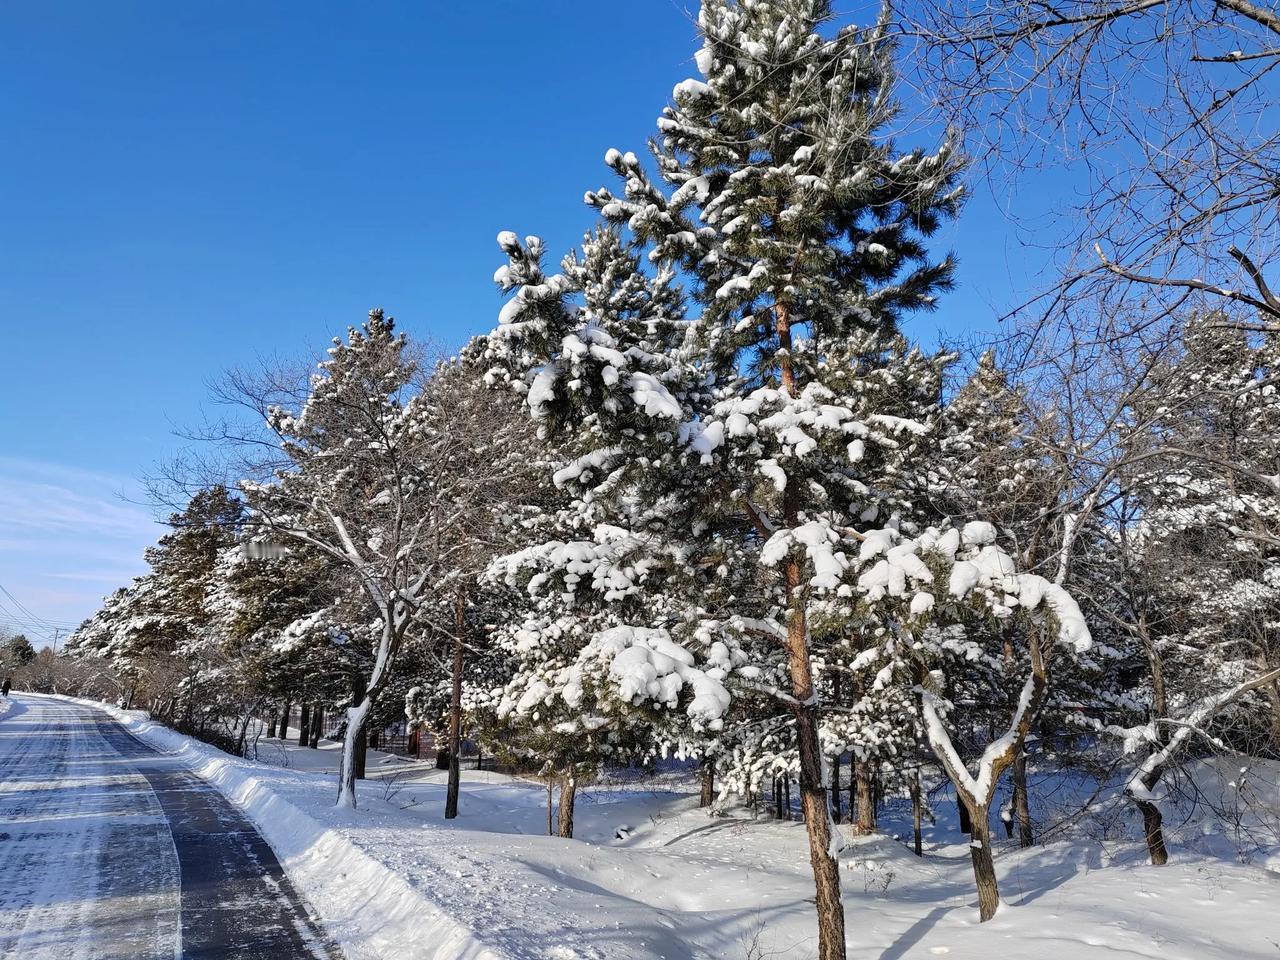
{"x": 186, "y": 187}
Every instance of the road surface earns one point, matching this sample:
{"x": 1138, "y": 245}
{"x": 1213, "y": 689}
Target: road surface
{"x": 110, "y": 850}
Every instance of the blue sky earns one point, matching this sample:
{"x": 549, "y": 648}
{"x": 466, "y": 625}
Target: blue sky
{"x": 188, "y": 187}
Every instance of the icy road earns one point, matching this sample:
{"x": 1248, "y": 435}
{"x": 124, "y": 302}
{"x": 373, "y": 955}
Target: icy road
{"x": 108, "y": 849}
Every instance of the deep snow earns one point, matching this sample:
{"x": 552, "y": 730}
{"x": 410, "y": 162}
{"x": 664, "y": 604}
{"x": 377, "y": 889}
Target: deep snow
{"x": 394, "y": 880}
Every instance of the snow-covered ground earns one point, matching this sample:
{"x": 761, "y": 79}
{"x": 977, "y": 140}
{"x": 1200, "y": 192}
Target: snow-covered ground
{"x": 394, "y": 880}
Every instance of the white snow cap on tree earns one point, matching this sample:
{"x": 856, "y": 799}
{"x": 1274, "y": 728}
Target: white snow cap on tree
{"x": 978, "y": 568}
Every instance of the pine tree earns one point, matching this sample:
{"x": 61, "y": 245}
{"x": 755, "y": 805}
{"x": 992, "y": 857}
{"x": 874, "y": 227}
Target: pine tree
{"x": 735, "y": 433}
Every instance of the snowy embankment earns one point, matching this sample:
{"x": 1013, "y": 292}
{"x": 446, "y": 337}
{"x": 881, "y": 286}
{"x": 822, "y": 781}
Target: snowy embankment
{"x": 394, "y": 880}
{"x": 366, "y": 906}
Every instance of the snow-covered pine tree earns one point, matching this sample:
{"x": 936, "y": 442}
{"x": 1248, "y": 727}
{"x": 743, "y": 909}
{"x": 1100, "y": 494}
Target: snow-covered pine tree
{"x": 158, "y": 631}
{"x": 735, "y": 433}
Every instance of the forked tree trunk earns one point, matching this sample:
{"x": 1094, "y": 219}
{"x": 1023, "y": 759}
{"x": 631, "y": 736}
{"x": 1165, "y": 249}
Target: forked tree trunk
{"x": 984, "y": 867}
{"x": 394, "y": 622}
{"x": 1021, "y": 806}
{"x": 455, "y": 714}
{"x": 568, "y": 794}
{"x": 304, "y": 724}
{"x": 916, "y": 813}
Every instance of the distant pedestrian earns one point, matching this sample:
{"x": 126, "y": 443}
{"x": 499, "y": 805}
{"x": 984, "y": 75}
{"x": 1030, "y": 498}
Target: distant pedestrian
{"x": 5, "y": 688}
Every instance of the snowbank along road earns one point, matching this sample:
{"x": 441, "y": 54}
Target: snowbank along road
{"x": 109, "y": 850}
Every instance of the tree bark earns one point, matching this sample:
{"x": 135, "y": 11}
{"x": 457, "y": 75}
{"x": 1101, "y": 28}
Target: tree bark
{"x": 282, "y": 728}
{"x": 317, "y": 722}
{"x": 865, "y": 811}
{"x": 568, "y": 793}
{"x": 455, "y": 714}
{"x": 984, "y": 868}
{"x": 916, "y": 813}
{"x": 361, "y": 744}
{"x": 1021, "y": 806}
{"x": 304, "y": 724}
{"x": 836, "y": 812}
{"x": 707, "y": 794}
{"x": 1153, "y": 831}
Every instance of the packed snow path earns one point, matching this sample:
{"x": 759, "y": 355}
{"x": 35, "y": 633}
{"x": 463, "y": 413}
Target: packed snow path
{"x": 108, "y": 849}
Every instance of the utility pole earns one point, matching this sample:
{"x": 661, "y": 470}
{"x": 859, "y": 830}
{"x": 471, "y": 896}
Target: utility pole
{"x": 56, "y": 631}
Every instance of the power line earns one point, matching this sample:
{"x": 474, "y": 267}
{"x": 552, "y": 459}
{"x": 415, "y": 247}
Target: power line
{"x": 23, "y": 607}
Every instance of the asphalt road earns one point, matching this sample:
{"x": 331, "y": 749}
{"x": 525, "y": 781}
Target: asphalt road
{"x": 110, "y": 850}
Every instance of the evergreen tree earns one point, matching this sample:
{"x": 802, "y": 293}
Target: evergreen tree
{"x": 739, "y": 432}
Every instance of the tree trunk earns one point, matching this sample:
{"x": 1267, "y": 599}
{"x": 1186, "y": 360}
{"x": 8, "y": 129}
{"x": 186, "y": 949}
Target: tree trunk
{"x": 282, "y": 728}
{"x": 360, "y": 744}
{"x": 836, "y": 812}
{"x": 1021, "y": 807}
{"x": 916, "y": 813}
{"x": 455, "y": 717}
{"x": 568, "y": 793}
{"x": 1153, "y": 830}
{"x": 271, "y": 725}
{"x": 814, "y": 805}
{"x": 865, "y": 811}
{"x": 707, "y": 794}
{"x": 304, "y": 724}
{"x": 777, "y": 798}
{"x": 394, "y": 621}
{"x": 317, "y": 722}
{"x": 786, "y": 795}
{"x": 813, "y": 783}
{"x": 984, "y": 868}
